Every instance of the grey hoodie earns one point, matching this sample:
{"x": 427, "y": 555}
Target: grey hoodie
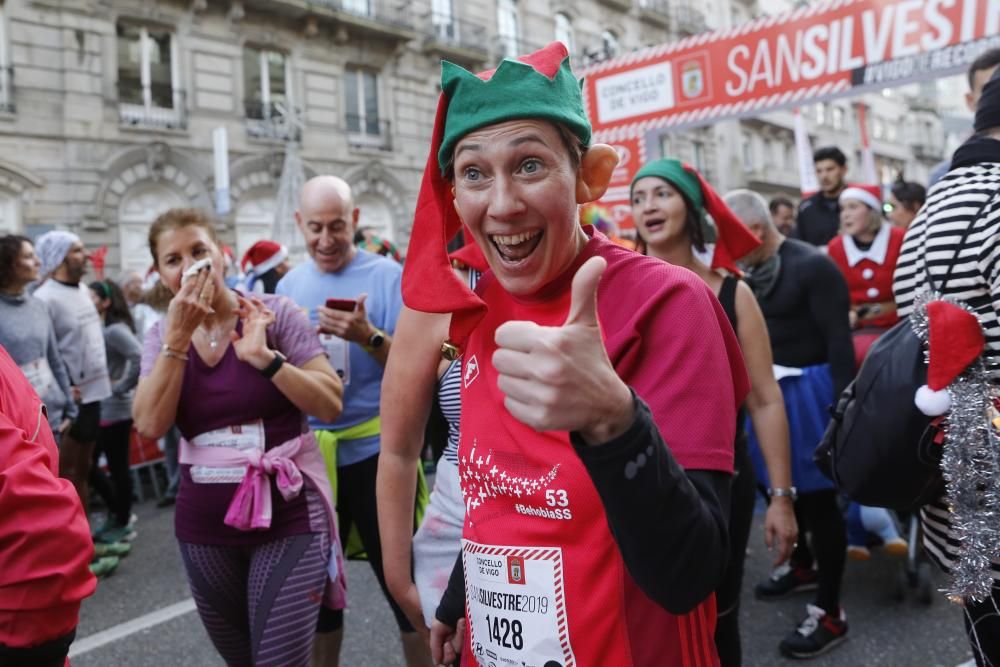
{"x": 26, "y": 333}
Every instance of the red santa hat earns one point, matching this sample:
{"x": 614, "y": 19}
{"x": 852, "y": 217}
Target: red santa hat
{"x": 263, "y": 256}
{"x": 869, "y": 195}
{"x": 954, "y": 340}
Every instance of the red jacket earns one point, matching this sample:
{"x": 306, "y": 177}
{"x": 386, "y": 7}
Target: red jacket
{"x": 45, "y": 543}
{"x": 869, "y": 272}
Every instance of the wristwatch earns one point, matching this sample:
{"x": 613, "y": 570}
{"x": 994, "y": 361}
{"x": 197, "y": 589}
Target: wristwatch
{"x": 790, "y": 492}
{"x": 272, "y": 368}
{"x": 375, "y": 341}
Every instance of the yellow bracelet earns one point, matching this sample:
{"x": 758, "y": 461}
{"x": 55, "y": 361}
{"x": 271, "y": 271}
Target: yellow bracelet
{"x": 173, "y": 354}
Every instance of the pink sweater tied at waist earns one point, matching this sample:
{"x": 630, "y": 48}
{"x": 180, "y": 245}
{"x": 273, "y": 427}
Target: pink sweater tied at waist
{"x": 251, "y": 506}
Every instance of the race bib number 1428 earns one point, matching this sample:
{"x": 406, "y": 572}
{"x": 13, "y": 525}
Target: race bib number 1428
{"x": 516, "y": 605}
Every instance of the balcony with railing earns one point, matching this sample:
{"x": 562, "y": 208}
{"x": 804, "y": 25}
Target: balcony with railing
{"x": 655, "y": 11}
{"x": 454, "y": 39}
{"x": 369, "y": 132}
{"x": 689, "y": 20}
{"x": 7, "y": 90}
{"x": 156, "y": 107}
{"x": 271, "y": 121}
{"x": 391, "y": 19}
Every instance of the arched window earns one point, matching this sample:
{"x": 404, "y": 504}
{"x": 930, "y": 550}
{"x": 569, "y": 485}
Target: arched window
{"x": 564, "y": 31}
{"x": 254, "y": 218}
{"x": 140, "y": 205}
{"x": 376, "y": 214}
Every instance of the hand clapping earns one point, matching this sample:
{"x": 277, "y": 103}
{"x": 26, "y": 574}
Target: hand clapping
{"x": 251, "y": 347}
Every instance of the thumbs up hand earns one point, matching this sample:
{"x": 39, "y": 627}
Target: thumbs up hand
{"x": 560, "y": 378}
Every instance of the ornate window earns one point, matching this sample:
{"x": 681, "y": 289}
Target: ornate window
{"x": 148, "y": 77}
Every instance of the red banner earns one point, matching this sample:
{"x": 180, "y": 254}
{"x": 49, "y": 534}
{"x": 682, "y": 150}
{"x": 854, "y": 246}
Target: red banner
{"x": 826, "y": 50}
{"x": 631, "y": 156}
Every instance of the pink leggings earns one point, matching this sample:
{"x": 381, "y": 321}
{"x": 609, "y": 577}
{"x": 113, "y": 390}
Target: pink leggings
{"x": 260, "y": 604}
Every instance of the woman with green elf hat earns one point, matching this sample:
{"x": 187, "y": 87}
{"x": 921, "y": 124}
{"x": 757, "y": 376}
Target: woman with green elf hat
{"x": 599, "y": 394}
{"x": 669, "y": 203}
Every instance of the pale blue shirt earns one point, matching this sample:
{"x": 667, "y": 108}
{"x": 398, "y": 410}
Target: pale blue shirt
{"x": 379, "y": 278}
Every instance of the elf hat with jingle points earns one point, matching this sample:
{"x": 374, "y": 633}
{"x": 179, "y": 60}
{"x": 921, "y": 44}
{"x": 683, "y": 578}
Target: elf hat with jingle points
{"x": 954, "y": 340}
{"x": 734, "y": 239}
{"x": 541, "y": 86}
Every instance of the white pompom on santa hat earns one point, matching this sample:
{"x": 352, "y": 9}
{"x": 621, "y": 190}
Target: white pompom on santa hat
{"x": 954, "y": 340}
{"x": 263, "y": 256}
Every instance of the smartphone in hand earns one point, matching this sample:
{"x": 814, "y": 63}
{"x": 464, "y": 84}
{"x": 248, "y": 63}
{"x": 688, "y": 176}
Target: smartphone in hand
{"x": 346, "y": 305}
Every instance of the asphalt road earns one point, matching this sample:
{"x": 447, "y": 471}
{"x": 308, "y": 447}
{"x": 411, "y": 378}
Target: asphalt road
{"x": 143, "y": 615}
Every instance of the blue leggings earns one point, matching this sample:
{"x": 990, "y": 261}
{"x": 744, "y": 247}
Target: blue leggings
{"x": 260, "y": 604}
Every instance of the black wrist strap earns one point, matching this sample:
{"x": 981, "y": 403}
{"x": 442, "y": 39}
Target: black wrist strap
{"x": 272, "y": 368}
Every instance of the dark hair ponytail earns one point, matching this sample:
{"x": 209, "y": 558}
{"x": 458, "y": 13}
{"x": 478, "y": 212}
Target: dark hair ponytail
{"x": 118, "y": 309}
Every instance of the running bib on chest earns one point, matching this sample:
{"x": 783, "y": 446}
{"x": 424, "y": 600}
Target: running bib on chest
{"x": 517, "y": 607}
{"x": 40, "y": 376}
{"x": 244, "y": 437}
{"x": 339, "y": 352}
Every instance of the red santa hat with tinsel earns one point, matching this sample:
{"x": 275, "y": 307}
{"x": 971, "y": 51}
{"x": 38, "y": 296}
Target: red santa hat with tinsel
{"x": 954, "y": 340}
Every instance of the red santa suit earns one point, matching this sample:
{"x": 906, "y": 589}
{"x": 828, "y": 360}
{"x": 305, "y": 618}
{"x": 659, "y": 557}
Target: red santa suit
{"x": 869, "y": 279}
{"x": 45, "y": 544}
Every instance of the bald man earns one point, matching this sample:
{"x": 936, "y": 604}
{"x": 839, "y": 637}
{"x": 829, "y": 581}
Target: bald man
{"x": 353, "y": 298}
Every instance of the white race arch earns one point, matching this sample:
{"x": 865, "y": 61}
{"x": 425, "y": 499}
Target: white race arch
{"x": 139, "y": 207}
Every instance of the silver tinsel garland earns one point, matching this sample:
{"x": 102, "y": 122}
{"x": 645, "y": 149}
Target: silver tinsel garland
{"x": 970, "y": 465}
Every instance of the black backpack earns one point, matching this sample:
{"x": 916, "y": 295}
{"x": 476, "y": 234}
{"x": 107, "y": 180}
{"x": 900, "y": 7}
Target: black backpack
{"x": 879, "y": 448}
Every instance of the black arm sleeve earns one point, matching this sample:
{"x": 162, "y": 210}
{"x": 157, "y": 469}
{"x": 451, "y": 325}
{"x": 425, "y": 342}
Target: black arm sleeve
{"x": 671, "y": 525}
{"x": 829, "y": 304}
{"x": 452, "y": 605}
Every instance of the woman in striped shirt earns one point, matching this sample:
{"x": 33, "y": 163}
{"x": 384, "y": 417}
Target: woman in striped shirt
{"x": 933, "y": 243}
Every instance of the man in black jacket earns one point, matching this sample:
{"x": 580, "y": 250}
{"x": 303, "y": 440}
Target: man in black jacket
{"x": 819, "y": 215}
{"x": 805, "y": 303}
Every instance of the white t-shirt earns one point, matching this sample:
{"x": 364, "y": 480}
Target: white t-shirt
{"x": 80, "y": 334}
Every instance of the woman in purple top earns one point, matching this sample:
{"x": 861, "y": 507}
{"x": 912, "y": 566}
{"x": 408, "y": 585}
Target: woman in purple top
{"x": 238, "y": 376}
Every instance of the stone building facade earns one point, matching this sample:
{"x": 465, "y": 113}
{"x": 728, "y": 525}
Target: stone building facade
{"x": 108, "y": 107}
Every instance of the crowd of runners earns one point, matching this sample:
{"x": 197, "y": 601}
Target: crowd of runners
{"x": 605, "y": 412}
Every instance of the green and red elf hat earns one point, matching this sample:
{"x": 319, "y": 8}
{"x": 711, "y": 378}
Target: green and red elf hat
{"x": 540, "y": 85}
{"x": 734, "y": 239}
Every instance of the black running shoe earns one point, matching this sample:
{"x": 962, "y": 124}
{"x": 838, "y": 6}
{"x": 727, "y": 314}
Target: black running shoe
{"x": 817, "y": 634}
{"x": 785, "y": 580}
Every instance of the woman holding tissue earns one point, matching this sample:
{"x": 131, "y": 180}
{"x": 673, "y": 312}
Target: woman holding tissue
{"x": 599, "y": 393}
{"x": 254, "y": 520}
